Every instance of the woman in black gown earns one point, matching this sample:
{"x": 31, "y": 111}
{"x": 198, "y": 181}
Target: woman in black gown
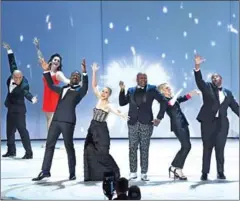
{"x": 179, "y": 125}
{"x": 97, "y": 159}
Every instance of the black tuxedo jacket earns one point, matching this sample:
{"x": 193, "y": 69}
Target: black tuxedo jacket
{"x": 15, "y": 101}
{"x": 142, "y": 113}
{"x": 211, "y": 104}
{"x": 177, "y": 117}
{"x": 65, "y": 110}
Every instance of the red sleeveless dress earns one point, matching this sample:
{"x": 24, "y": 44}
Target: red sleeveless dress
{"x": 50, "y": 98}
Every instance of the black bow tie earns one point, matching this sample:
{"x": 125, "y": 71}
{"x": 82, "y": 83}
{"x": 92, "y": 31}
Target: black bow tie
{"x": 14, "y": 83}
{"x": 220, "y": 88}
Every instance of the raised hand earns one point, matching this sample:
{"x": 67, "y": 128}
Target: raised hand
{"x": 36, "y": 42}
{"x": 6, "y": 46}
{"x": 44, "y": 64}
{"x": 198, "y": 60}
{"x": 95, "y": 67}
{"x": 194, "y": 93}
{"x": 34, "y": 100}
{"x": 121, "y": 84}
{"x": 83, "y": 65}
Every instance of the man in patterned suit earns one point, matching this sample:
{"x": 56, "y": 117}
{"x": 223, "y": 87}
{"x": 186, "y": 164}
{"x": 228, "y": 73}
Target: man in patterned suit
{"x": 140, "y": 125}
{"x": 18, "y": 88}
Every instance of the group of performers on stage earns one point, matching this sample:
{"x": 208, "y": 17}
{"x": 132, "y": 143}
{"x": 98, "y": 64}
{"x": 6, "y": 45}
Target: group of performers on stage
{"x": 59, "y": 105}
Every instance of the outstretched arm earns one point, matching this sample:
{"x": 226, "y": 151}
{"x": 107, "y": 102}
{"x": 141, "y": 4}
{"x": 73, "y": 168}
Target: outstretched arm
{"x": 201, "y": 84}
{"x": 94, "y": 80}
{"x": 117, "y": 112}
{"x": 48, "y": 77}
{"x": 11, "y": 58}
{"x": 234, "y": 105}
{"x": 37, "y": 45}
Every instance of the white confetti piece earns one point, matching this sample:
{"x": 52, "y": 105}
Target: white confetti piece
{"x": 47, "y": 18}
{"x": 196, "y": 21}
{"x": 184, "y": 34}
{"x": 30, "y": 70}
{"x": 234, "y": 16}
{"x": 185, "y": 74}
{"x": 164, "y": 10}
{"x": 111, "y": 25}
{"x": 194, "y": 51}
{"x": 106, "y": 41}
{"x": 127, "y": 28}
{"x": 148, "y": 18}
{"x": 49, "y": 25}
{"x": 181, "y": 5}
{"x": 190, "y": 15}
{"x": 232, "y": 29}
{"x": 133, "y": 50}
{"x": 163, "y": 55}
{"x": 71, "y": 21}
{"x": 21, "y": 38}
{"x": 184, "y": 84}
{"x": 219, "y": 23}
{"x": 186, "y": 56}
{"x": 173, "y": 62}
{"x": 213, "y": 43}
{"x": 157, "y": 38}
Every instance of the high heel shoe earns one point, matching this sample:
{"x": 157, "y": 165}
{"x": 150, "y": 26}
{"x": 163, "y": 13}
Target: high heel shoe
{"x": 170, "y": 170}
{"x": 177, "y": 176}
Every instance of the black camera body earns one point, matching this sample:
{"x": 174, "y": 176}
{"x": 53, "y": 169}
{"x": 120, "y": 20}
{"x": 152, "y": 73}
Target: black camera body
{"x": 109, "y": 184}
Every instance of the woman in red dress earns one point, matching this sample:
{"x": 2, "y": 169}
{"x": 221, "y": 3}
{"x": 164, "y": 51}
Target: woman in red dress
{"x": 50, "y": 98}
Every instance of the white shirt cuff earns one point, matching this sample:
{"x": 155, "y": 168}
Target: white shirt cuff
{"x": 48, "y": 71}
{"x": 10, "y": 51}
{"x": 196, "y": 70}
{"x": 84, "y": 74}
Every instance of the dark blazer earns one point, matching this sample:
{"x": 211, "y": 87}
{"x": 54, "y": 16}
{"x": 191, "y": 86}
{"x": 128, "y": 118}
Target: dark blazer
{"x": 15, "y": 101}
{"x": 211, "y": 102}
{"x": 65, "y": 110}
{"x": 142, "y": 113}
{"x": 177, "y": 117}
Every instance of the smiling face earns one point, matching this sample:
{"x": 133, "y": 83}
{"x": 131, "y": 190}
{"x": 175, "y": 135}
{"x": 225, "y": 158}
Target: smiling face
{"x": 142, "y": 79}
{"x": 165, "y": 89}
{"x": 217, "y": 79}
{"x": 17, "y": 77}
{"x": 55, "y": 63}
{"x": 75, "y": 78}
{"x": 105, "y": 93}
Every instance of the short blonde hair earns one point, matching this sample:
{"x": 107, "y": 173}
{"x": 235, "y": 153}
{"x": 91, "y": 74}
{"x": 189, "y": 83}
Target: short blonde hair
{"x": 161, "y": 87}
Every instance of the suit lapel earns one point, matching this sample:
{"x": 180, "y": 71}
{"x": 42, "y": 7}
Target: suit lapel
{"x": 216, "y": 93}
{"x": 133, "y": 100}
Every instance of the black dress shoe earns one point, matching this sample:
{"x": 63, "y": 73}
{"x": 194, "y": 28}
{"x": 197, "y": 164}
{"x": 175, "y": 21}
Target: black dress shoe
{"x": 72, "y": 177}
{"x": 221, "y": 175}
{"x": 27, "y": 156}
{"x": 9, "y": 154}
{"x": 41, "y": 176}
{"x": 204, "y": 177}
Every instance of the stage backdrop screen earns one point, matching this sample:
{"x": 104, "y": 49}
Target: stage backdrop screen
{"x": 124, "y": 38}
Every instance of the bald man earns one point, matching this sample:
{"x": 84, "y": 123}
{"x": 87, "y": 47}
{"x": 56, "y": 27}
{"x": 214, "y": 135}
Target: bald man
{"x": 18, "y": 88}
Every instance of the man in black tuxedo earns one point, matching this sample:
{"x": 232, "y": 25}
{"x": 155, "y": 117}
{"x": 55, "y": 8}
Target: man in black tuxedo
{"x": 18, "y": 88}
{"x": 140, "y": 125}
{"x": 64, "y": 119}
{"x": 213, "y": 118}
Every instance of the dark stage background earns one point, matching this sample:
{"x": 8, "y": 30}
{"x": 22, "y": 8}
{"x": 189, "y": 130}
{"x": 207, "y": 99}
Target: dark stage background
{"x": 159, "y": 38}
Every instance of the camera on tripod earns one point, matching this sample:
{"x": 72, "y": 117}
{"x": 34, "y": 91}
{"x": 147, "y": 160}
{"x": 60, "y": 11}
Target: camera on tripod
{"x": 109, "y": 182}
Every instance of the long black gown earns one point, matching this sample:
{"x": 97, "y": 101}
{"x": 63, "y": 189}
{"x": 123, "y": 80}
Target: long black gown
{"x": 97, "y": 159}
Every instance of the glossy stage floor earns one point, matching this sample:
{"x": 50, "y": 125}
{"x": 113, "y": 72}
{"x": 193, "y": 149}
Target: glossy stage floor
{"x": 16, "y": 174}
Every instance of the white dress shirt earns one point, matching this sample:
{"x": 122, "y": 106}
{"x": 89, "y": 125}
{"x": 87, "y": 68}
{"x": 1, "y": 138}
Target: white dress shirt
{"x": 221, "y": 99}
{"x": 12, "y": 86}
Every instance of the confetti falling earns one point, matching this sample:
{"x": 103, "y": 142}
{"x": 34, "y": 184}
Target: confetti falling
{"x": 190, "y": 15}
{"x": 196, "y": 21}
{"x": 234, "y": 16}
{"x": 184, "y": 34}
{"x": 49, "y": 25}
{"x": 186, "y": 56}
{"x": 157, "y": 38}
{"x": 21, "y": 38}
{"x": 163, "y": 55}
{"x": 30, "y": 70}
{"x": 148, "y": 18}
{"x": 232, "y": 29}
{"x": 213, "y": 43}
{"x": 127, "y": 28}
{"x": 219, "y": 23}
{"x": 181, "y": 5}
{"x": 184, "y": 84}
{"x": 165, "y": 10}
{"x": 133, "y": 50}
{"x": 111, "y": 25}
{"x": 173, "y": 62}
{"x": 71, "y": 21}
{"x": 106, "y": 41}
{"x": 47, "y": 18}
{"x": 194, "y": 51}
